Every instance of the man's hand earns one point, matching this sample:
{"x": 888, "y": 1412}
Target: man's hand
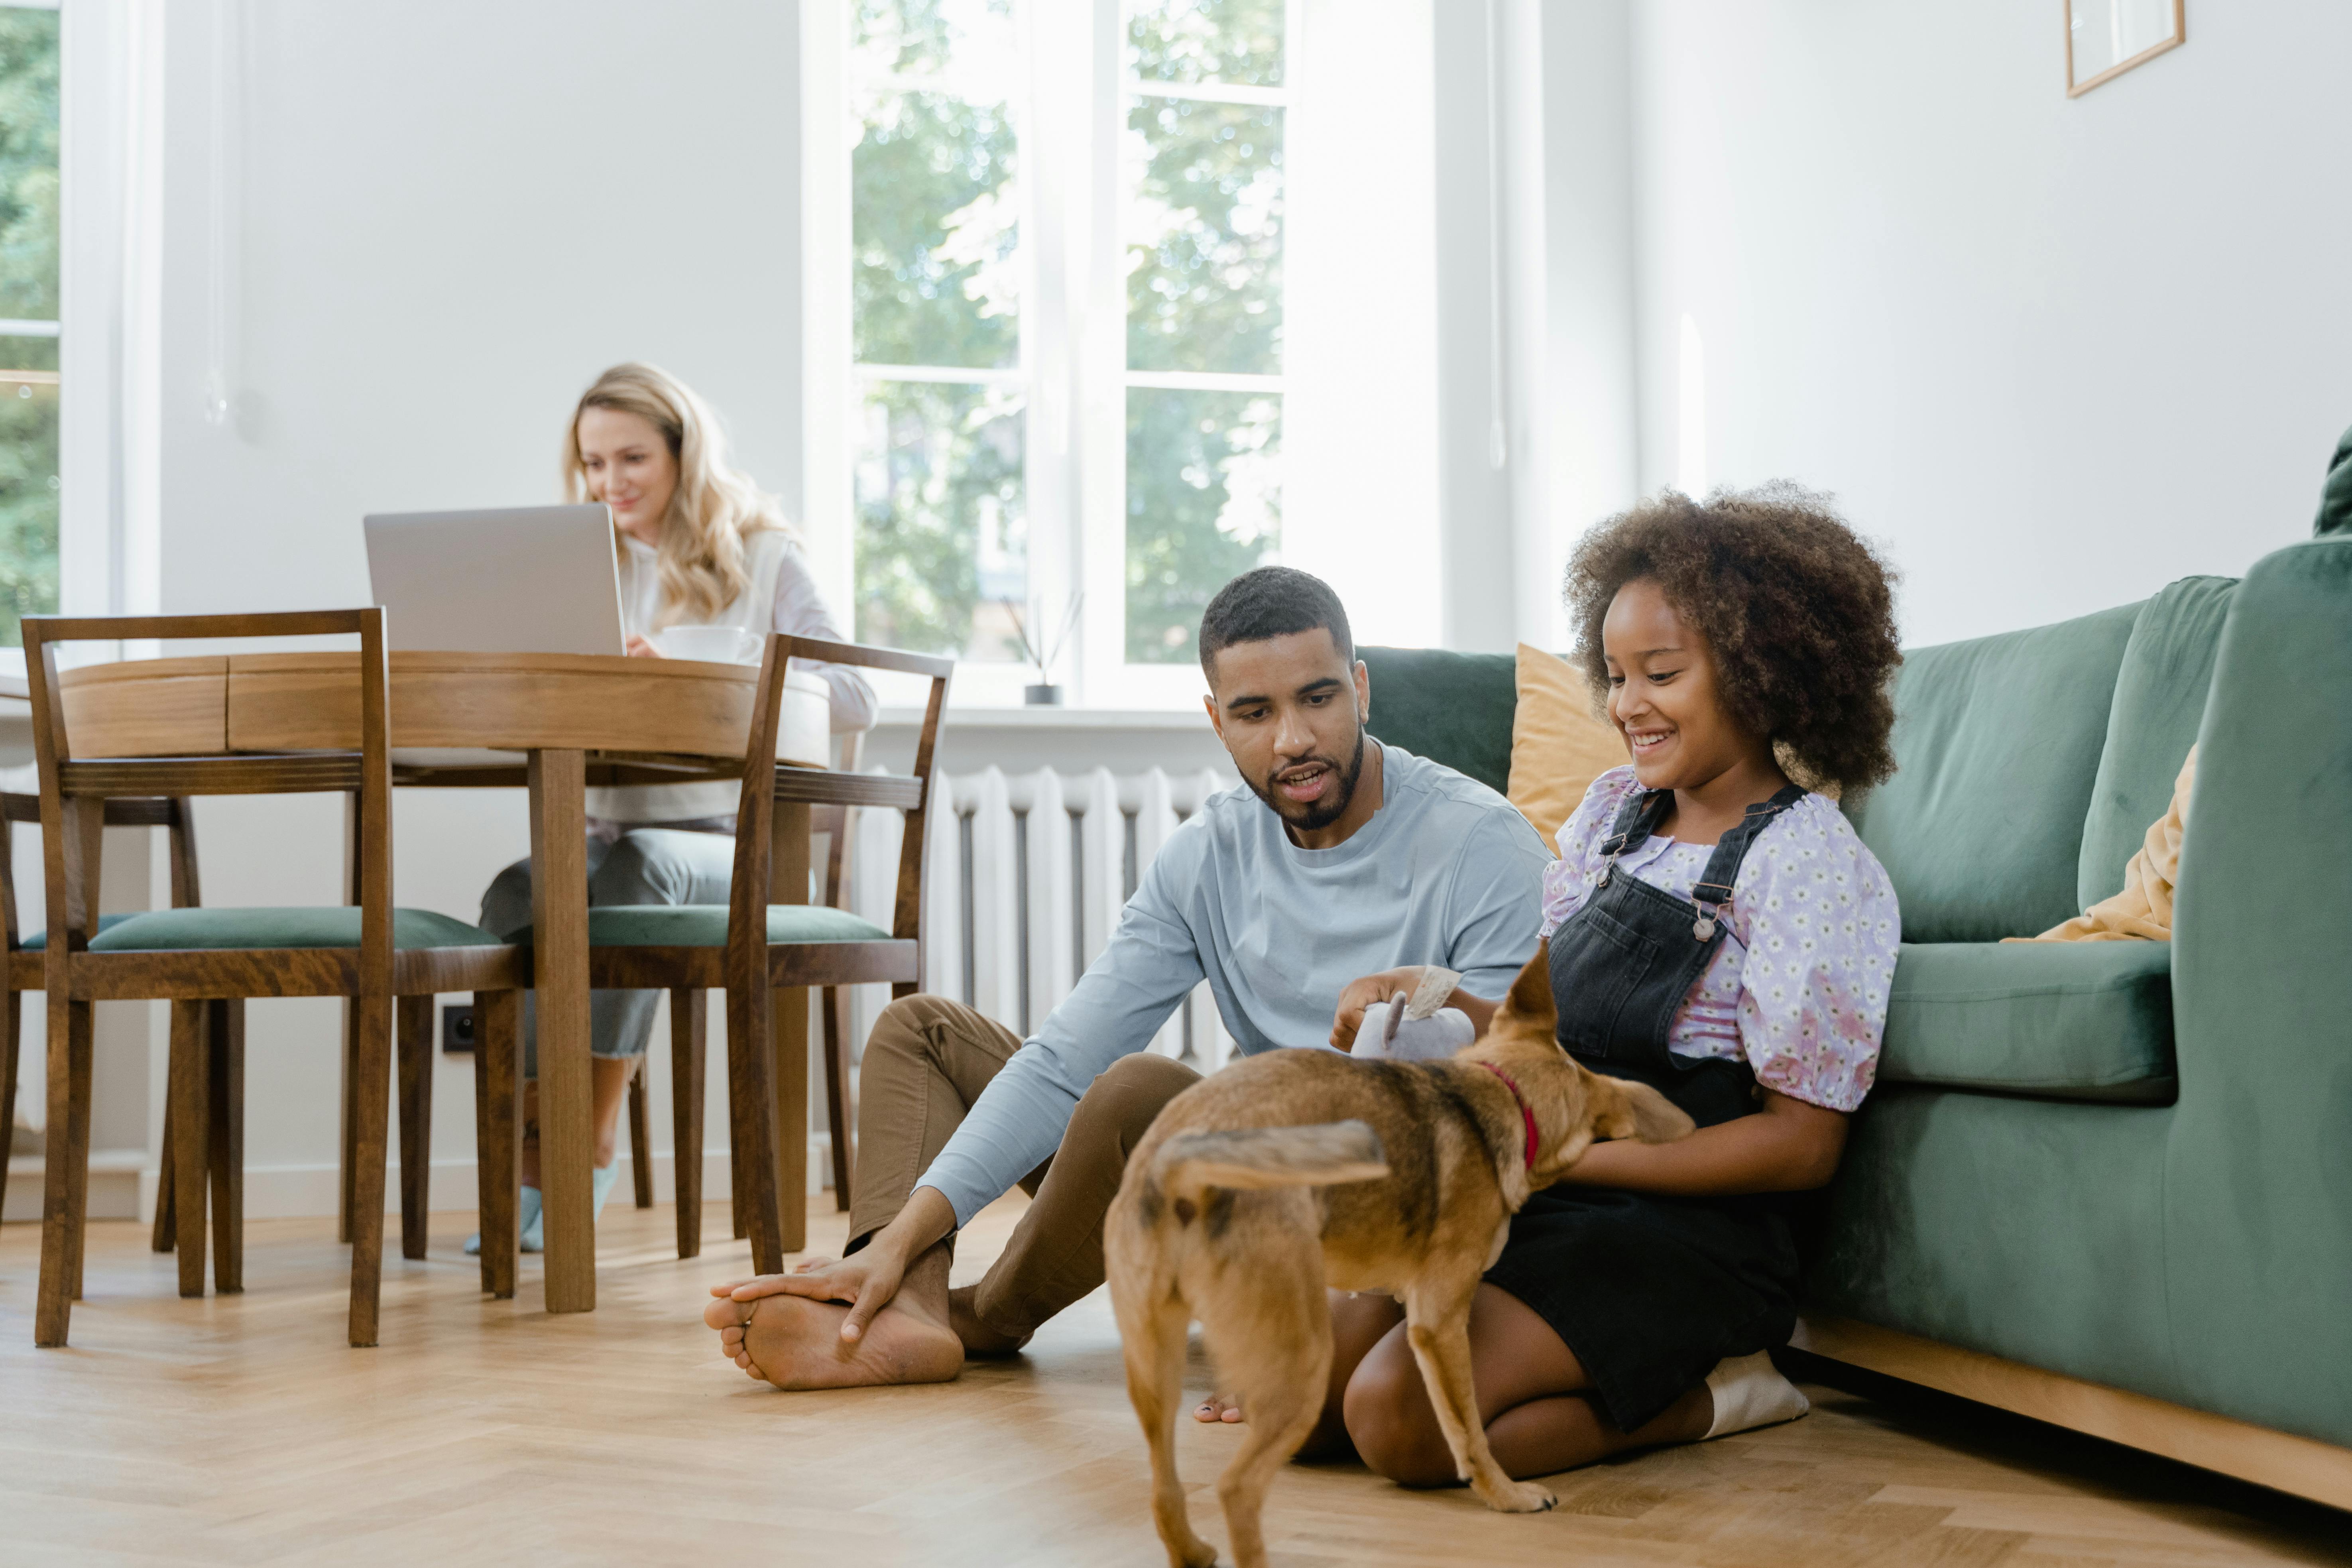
{"x": 866, "y": 1281}
{"x": 1361, "y": 994}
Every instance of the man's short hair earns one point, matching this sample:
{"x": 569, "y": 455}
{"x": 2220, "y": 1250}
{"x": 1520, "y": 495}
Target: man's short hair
{"x": 1272, "y": 602}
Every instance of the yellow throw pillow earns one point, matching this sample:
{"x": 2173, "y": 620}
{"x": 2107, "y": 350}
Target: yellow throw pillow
{"x": 1558, "y": 745}
{"x": 2143, "y": 910}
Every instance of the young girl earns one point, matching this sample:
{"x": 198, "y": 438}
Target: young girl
{"x": 699, "y": 545}
{"x": 1714, "y": 929}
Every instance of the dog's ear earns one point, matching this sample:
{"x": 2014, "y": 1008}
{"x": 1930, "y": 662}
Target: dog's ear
{"x": 1530, "y": 1001}
{"x": 1638, "y": 1112}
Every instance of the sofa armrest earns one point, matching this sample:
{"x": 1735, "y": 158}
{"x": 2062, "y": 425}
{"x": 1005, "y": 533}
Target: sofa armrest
{"x": 2258, "y": 1184}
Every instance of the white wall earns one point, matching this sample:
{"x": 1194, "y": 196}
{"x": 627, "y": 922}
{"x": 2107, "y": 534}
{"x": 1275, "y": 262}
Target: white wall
{"x": 2056, "y": 353}
{"x": 444, "y": 219}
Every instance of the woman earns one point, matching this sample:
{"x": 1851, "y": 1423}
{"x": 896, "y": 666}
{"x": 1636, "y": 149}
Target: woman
{"x": 700, "y": 545}
{"x": 1713, "y": 929}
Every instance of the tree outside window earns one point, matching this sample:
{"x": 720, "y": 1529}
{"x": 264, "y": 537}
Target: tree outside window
{"x": 29, "y": 317}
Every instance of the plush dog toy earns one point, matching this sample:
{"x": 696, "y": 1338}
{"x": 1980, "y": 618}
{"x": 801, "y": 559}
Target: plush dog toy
{"x": 1416, "y": 1027}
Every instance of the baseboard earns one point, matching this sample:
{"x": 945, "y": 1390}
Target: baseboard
{"x": 2301, "y": 1466}
{"x": 115, "y": 1186}
{"x": 122, "y": 1185}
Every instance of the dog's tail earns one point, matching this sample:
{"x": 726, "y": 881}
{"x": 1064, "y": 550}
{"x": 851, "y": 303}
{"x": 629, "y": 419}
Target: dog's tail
{"x": 1321, "y": 1156}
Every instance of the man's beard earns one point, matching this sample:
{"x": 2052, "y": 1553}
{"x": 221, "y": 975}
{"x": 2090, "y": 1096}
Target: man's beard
{"x": 1321, "y": 814}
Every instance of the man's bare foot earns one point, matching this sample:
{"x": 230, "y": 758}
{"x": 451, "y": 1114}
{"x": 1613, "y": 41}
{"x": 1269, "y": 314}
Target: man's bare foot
{"x": 794, "y": 1343}
{"x": 977, "y": 1337}
{"x": 1225, "y": 1407}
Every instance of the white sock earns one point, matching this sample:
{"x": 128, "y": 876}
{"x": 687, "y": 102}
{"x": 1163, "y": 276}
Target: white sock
{"x": 1750, "y": 1392}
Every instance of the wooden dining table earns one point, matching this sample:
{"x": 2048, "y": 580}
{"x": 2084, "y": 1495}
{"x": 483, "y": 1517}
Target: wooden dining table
{"x": 553, "y": 724}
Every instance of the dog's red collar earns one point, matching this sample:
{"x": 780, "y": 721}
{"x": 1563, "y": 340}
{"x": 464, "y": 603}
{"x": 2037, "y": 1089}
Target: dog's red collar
{"x": 1527, "y": 1113}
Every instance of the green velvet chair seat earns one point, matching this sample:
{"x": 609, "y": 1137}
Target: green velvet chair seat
{"x": 2077, "y": 1020}
{"x": 705, "y": 925}
{"x": 40, "y": 938}
{"x": 181, "y": 930}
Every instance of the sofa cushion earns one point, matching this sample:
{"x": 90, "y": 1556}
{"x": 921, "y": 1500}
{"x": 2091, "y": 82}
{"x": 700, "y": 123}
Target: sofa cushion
{"x": 1558, "y": 745}
{"x": 337, "y": 925}
{"x": 1997, "y": 743}
{"x": 40, "y": 938}
{"x": 705, "y": 925}
{"x": 2159, "y": 701}
{"x": 1452, "y": 708}
{"x": 2057, "y": 1020}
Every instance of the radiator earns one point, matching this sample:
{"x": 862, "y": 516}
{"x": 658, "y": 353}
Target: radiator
{"x": 1027, "y": 876}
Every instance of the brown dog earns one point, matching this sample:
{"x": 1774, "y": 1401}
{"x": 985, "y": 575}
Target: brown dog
{"x": 1297, "y": 1170}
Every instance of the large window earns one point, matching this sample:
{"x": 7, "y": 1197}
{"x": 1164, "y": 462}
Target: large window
{"x": 1113, "y": 300}
{"x": 1019, "y": 171}
{"x": 28, "y": 316}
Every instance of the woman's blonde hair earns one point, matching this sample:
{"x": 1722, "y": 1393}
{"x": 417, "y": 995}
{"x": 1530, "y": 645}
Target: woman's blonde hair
{"x": 712, "y": 508}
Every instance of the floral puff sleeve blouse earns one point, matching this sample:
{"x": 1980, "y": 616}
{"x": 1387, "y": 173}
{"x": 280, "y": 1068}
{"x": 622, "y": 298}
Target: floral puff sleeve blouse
{"x": 1800, "y": 985}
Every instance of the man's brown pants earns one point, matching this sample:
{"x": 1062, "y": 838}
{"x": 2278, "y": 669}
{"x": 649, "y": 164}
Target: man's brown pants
{"x": 926, "y": 1063}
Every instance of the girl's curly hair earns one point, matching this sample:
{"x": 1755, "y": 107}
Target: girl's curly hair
{"x": 1797, "y": 609}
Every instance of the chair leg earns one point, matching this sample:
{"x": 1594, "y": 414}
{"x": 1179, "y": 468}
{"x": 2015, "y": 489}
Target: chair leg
{"x": 191, "y": 1145}
{"x": 62, "y": 1214}
{"x": 790, "y": 1011}
{"x": 416, "y": 1015}
{"x": 349, "y": 1120}
{"x": 163, "y": 1239}
{"x": 371, "y": 1116}
{"x": 689, "y": 1023}
{"x": 836, "y": 1089}
{"x": 225, "y": 1042}
{"x": 498, "y": 1100}
{"x": 751, "y": 1113}
{"x": 641, "y": 1140}
{"x": 9, "y": 1045}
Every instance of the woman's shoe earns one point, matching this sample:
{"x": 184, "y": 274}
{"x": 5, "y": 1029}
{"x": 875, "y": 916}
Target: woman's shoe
{"x": 528, "y": 1220}
{"x": 532, "y": 1215}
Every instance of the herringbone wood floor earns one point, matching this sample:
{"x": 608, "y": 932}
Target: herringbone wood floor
{"x": 241, "y": 1430}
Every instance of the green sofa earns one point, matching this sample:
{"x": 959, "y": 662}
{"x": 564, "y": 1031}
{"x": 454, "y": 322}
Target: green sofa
{"x": 2106, "y": 1184}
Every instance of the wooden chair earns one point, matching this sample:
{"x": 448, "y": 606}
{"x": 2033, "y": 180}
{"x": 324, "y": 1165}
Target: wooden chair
{"x": 769, "y": 938}
{"x": 23, "y": 956}
{"x": 203, "y": 960}
{"x": 834, "y": 823}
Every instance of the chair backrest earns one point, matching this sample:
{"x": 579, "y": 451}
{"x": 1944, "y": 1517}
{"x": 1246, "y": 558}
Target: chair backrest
{"x": 754, "y": 819}
{"x": 77, "y": 792}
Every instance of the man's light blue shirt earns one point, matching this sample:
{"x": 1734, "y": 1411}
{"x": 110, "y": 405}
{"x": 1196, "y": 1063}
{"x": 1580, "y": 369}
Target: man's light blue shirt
{"x": 1446, "y": 872}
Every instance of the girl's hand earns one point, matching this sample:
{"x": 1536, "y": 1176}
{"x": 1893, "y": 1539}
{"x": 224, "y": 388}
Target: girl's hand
{"x": 1361, "y": 994}
{"x": 638, "y": 648}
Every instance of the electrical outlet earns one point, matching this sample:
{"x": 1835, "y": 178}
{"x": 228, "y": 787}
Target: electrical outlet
{"x": 457, "y": 1029}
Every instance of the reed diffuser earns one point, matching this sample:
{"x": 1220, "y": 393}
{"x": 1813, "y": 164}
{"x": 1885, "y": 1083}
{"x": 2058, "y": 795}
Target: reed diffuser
{"x": 1041, "y": 655}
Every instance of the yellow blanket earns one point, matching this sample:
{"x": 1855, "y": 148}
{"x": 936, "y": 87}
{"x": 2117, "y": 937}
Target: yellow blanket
{"x": 2143, "y": 910}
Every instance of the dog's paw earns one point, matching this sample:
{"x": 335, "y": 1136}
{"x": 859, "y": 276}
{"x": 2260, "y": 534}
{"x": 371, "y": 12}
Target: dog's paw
{"x": 1519, "y": 1497}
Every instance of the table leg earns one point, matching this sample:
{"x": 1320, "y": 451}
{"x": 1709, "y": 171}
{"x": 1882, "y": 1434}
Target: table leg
{"x": 567, "y": 1144}
{"x": 789, "y": 884}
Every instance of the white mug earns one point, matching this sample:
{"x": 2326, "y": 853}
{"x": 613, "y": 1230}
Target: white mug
{"x": 707, "y": 645}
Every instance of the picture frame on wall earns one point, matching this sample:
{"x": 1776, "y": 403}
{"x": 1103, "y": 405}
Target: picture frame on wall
{"x": 2105, "y": 38}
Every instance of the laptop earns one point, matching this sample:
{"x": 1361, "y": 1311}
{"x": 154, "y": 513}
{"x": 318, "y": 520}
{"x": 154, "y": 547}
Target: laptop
{"x": 533, "y": 579}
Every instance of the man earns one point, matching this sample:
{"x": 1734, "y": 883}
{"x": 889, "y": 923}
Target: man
{"x": 1345, "y": 858}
